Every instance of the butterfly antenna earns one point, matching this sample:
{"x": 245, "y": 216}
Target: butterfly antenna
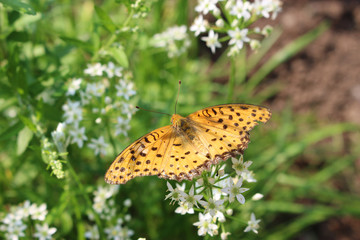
{"x": 152, "y": 111}
{"x": 177, "y": 97}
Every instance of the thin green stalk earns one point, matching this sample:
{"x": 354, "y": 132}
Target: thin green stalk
{"x": 87, "y": 199}
{"x": 79, "y": 223}
{"x": 231, "y": 81}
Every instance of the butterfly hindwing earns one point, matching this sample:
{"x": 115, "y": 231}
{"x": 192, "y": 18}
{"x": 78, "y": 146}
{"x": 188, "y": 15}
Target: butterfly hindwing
{"x": 141, "y": 158}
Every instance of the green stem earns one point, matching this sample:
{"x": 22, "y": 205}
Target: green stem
{"x": 87, "y": 199}
{"x": 231, "y": 81}
{"x": 79, "y": 223}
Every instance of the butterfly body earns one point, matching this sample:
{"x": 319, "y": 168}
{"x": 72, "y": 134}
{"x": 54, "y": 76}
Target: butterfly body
{"x": 190, "y": 144}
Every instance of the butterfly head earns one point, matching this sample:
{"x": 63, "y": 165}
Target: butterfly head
{"x": 177, "y": 121}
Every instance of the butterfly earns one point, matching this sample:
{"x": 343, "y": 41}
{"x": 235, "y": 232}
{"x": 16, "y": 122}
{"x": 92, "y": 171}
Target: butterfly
{"x": 190, "y": 144}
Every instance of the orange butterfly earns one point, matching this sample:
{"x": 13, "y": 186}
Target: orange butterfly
{"x": 190, "y": 144}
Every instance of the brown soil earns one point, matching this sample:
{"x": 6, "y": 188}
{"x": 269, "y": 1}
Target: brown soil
{"x": 323, "y": 79}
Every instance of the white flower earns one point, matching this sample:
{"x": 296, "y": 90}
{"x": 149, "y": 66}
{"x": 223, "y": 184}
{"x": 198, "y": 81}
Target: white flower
{"x": 190, "y": 198}
{"x": 255, "y": 44}
{"x": 212, "y": 41}
{"x": 114, "y": 233}
{"x": 127, "y": 202}
{"x": 174, "y": 39}
{"x": 93, "y": 233}
{"x": 72, "y": 112}
{"x": 175, "y": 194}
{"x": 95, "y": 89}
{"x": 127, "y": 109}
{"x": 241, "y": 10}
{"x": 95, "y": 69}
{"x": 257, "y": 196}
{"x": 15, "y": 231}
{"x": 220, "y": 216}
{"x": 248, "y": 176}
{"x": 199, "y": 25}
{"x": 24, "y": 211}
{"x": 59, "y": 137}
{"x": 78, "y": 135}
{"x": 184, "y": 208}
{"x": 224, "y": 235}
{"x": 235, "y": 190}
{"x": 206, "y": 6}
{"x": 43, "y": 232}
{"x": 98, "y": 145}
{"x": 122, "y": 126}
{"x": 105, "y": 192}
{"x": 253, "y": 224}
{"x": 38, "y": 213}
{"x": 220, "y": 23}
{"x": 74, "y": 86}
{"x": 205, "y": 225}
{"x": 238, "y": 37}
{"x": 212, "y": 206}
{"x": 125, "y": 89}
{"x": 239, "y": 166}
{"x": 111, "y": 70}
{"x": 127, "y": 217}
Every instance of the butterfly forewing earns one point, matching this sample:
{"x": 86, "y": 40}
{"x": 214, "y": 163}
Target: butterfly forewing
{"x": 224, "y": 129}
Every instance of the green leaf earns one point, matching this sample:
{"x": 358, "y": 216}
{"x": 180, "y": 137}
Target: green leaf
{"x": 119, "y": 56}
{"x": 11, "y": 131}
{"x": 24, "y": 137}
{"x": 105, "y": 19}
{"x": 78, "y": 43}
{"x": 19, "y": 6}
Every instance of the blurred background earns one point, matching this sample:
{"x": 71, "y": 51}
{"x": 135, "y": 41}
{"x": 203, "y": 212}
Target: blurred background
{"x": 306, "y": 158}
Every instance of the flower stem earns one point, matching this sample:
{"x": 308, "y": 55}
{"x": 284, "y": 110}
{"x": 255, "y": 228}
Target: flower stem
{"x": 86, "y": 197}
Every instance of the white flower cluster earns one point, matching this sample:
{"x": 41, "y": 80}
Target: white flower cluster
{"x": 108, "y": 91}
{"x": 237, "y": 16}
{"x": 211, "y": 196}
{"x": 13, "y": 224}
{"x": 105, "y": 206}
{"x": 175, "y": 40}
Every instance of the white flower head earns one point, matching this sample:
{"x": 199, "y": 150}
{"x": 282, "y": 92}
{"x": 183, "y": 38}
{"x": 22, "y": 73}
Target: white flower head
{"x": 38, "y": 213}
{"x": 239, "y": 165}
{"x": 253, "y": 224}
{"x": 211, "y": 206}
{"x": 184, "y": 208}
{"x": 238, "y": 37}
{"x": 257, "y": 196}
{"x": 206, "y": 6}
{"x": 92, "y": 233}
{"x": 98, "y": 145}
{"x": 241, "y": 10}
{"x": 212, "y": 41}
{"x": 73, "y": 86}
{"x": 122, "y": 126}
{"x": 78, "y": 135}
{"x": 95, "y": 69}
{"x": 125, "y": 89}
{"x": 95, "y": 89}
{"x": 43, "y": 232}
{"x": 191, "y": 198}
{"x": 175, "y": 194}
{"x": 72, "y": 112}
{"x": 235, "y": 190}
{"x": 111, "y": 70}
{"x": 199, "y": 25}
{"x": 206, "y": 225}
